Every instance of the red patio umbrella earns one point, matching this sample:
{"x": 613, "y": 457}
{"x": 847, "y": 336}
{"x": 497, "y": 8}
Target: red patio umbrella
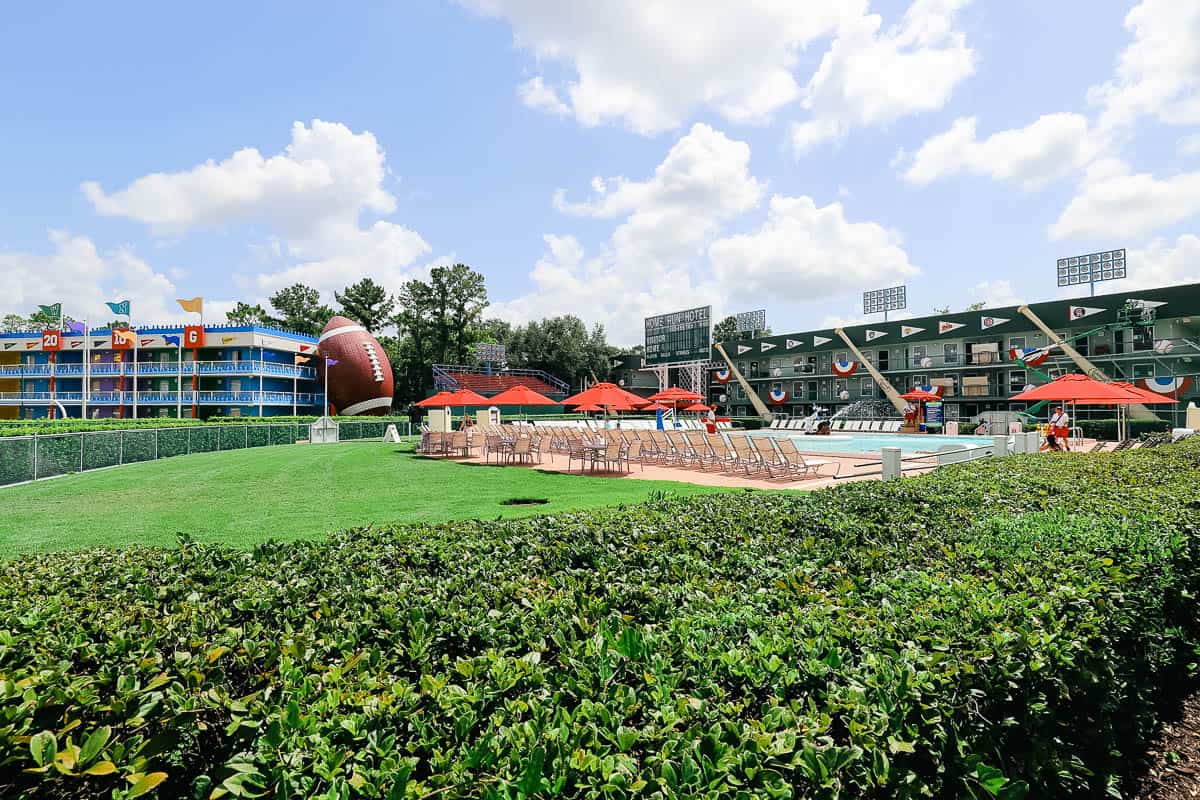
{"x": 436, "y": 401}
{"x": 677, "y": 396}
{"x": 655, "y": 407}
{"x": 1145, "y": 396}
{"x": 605, "y": 394}
{"x": 588, "y": 408}
{"x": 521, "y": 396}
{"x": 1077, "y": 388}
{"x": 465, "y": 397}
{"x": 921, "y": 396}
{"x": 698, "y": 407}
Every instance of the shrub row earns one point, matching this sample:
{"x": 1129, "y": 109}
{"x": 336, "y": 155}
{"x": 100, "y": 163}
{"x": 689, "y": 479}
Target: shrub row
{"x": 45, "y": 427}
{"x": 997, "y": 629}
{"x": 1107, "y": 428}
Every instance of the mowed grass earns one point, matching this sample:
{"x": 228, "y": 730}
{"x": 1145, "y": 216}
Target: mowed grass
{"x": 244, "y": 497}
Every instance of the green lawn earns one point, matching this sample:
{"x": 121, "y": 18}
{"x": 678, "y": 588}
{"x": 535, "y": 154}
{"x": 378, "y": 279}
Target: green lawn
{"x": 245, "y": 497}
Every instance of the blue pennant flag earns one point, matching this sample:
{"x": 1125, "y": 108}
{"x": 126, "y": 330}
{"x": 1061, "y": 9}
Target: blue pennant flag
{"x": 171, "y": 339}
{"x": 119, "y": 308}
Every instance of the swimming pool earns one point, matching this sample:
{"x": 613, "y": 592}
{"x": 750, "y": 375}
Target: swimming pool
{"x": 873, "y": 442}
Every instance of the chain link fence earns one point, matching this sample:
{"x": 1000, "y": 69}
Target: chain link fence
{"x": 31, "y": 458}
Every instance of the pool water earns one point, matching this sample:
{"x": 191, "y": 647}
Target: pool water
{"x": 872, "y": 442}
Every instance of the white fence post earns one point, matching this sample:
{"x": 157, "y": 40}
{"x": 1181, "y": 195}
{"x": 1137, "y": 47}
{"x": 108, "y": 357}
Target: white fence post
{"x": 891, "y": 463}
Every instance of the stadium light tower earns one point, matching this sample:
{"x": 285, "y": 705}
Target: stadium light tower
{"x": 1092, "y": 268}
{"x": 893, "y": 298}
{"x": 752, "y": 322}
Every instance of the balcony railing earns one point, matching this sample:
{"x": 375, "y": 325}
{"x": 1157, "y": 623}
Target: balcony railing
{"x": 151, "y": 368}
{"x": 159, "y": 398}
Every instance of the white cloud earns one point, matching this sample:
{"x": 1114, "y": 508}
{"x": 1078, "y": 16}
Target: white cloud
{"x": 873, "y": 78}
{"x": 995, "y": 293}
{"x": 1189, "y": 145}
{"x": 665, "y": 251}
{"x": 1158, "y": 74}
{"x": 1161, "y": 263}
{"x": 535, "y": 94}
{"x": 803, "y": 252}
{"x": 1052, "y": 147}
{"x": 649, "y": 65}
{"x": 1113, "y": 201}
{"x": 83, "y": 278}
{"x": 312, "y": 196}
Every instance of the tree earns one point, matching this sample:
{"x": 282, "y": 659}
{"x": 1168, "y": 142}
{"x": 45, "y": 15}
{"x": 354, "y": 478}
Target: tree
{"x": 367, "y": 303}
{"x": 15, "y": 323}
{"x": 300, "y": 309}
{"x": 976, "y": 306}
{"x": 725, "y": 330}
{"x": 941, "y": 309}
{"x": 459, "y": 298}
{"x": 246, "y": 314}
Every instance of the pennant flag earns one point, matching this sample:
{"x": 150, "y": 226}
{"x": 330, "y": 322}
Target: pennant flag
{"x": 52, "y": 311}
{"x": 1153, "y": 303}
{"x": 146, "y": 342}
{"x": 121, "y": 307}
{"x": 765, "y": 346}
{"x": 31, "y": 345}
{"x": 1079, "y": 312}
{"x": 302, "y": 359}
{"x": 195, "y": 305}
{"x": 331, "y": 362}
{"x": 10, "y": 345}
{"x": 946, "y": 327}
{"x": 77, "y": 328}
{"x": 722, "y": 376}
{"x": 227, "y": 339}
{"x": 820, "y": 340}
{"x": 792, "y": 344}
{"x": 743, "y": 348}
{"x": 304, "y": 348}
{"x": 778, "y": 396}
{"x": 173, "y": 339}
{"x": 873, "y": 335}
{"x": 909, "y": 330}
{"x": 76, "y": 344}
{"x": 844, "y": 369}
{"x": 1031, "y": 356}
{"x": 98, "y": 342}
{"x": 987, "y": 323}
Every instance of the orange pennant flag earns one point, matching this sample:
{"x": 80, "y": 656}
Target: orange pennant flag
{"x": 195, "y": 305}
{"x": 227, "y": 339}
{"x": 302, "y": 359}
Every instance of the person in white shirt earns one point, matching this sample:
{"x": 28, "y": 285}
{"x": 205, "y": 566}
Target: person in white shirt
{"x": 1060, "y": 428}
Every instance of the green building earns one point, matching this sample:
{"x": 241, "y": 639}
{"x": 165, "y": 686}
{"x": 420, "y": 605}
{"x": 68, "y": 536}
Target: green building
{"x": 1149, "y": 337}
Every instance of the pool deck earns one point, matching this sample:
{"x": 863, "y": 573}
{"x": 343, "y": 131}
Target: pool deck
{"x": 853, "y": 467}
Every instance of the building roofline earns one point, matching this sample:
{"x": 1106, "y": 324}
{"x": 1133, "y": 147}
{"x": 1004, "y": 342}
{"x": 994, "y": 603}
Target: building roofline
{"x": 178, "y": 328}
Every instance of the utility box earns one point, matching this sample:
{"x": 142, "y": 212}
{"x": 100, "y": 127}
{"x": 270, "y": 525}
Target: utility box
{"x": 1193, "y": 417}
{"x": 440, "y": 420}
{"x": 323, "y": 431}
{"x": 490, "y": 416}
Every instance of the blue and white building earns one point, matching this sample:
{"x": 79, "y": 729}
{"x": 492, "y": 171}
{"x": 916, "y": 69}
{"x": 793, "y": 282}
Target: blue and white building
{"x": 241, "y": 370}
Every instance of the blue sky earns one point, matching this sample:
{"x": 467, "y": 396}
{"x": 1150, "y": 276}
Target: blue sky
{"x": 778, "y": 154}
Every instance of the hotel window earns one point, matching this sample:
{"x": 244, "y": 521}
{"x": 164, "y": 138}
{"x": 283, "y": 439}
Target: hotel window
{"x": 840, "y": 386}
{"x": 798, "y": 365}
{"x": 842, "y": 356}
{"x": 1081, "y": 345}
{"x": 753, "y": 369}
{"x": 1016, "y": 381}
{"x": 776, "y": 386}
{"x": 740, "y": 392}
{"x": 812, "y": 390}
{"x": 950, "y": 351}
{"x": 868, "y": 387}
{"x": 1143, "y": 371}
{"x": 919, "y": 354}
{"x": 797, "y": 390}
{"x": 920, "y": 380}
{"x": 1016, "y": 342}
{"x": 1143, "y": 338}
{"x": 882, "y": 362}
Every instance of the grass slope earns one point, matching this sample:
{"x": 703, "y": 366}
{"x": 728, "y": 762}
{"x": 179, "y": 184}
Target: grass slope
{"x": 241, "y": 498}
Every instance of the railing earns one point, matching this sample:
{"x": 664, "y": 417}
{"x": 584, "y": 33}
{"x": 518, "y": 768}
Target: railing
{"x": 101, "y": 398}
{"x": 172, "y": 368}
{"x": 31, "y": 458}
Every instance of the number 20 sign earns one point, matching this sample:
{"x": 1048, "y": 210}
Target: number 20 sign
{"x": 51, "y": 340}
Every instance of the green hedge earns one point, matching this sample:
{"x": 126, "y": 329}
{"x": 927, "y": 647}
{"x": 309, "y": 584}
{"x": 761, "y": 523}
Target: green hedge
{"x": 1000, "y": 629}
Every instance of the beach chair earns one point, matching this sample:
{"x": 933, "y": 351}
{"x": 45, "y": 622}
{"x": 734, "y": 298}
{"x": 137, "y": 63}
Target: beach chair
{"x": 703, "y": 452}
{"x": 633, "y": 453}
{"x": 801, "y": 466}
{"x": 774, "y": 424}
{"x": 685, "y": 455}
{"x": 770, "y": 458}
{"x": 459, "y": 444}
{"x": 748, "y": 460}
{"x": 614, "y": 455}
{"x": 522, "y": 451}
{"x": 725, "y": 458}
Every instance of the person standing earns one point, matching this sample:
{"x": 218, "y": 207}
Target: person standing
{"x": 1060, "y": 428}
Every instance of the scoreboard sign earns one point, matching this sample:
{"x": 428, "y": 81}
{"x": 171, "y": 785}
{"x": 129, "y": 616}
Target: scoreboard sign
{"x": 52, "y": 341}
{"x": 681, "y": 336}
